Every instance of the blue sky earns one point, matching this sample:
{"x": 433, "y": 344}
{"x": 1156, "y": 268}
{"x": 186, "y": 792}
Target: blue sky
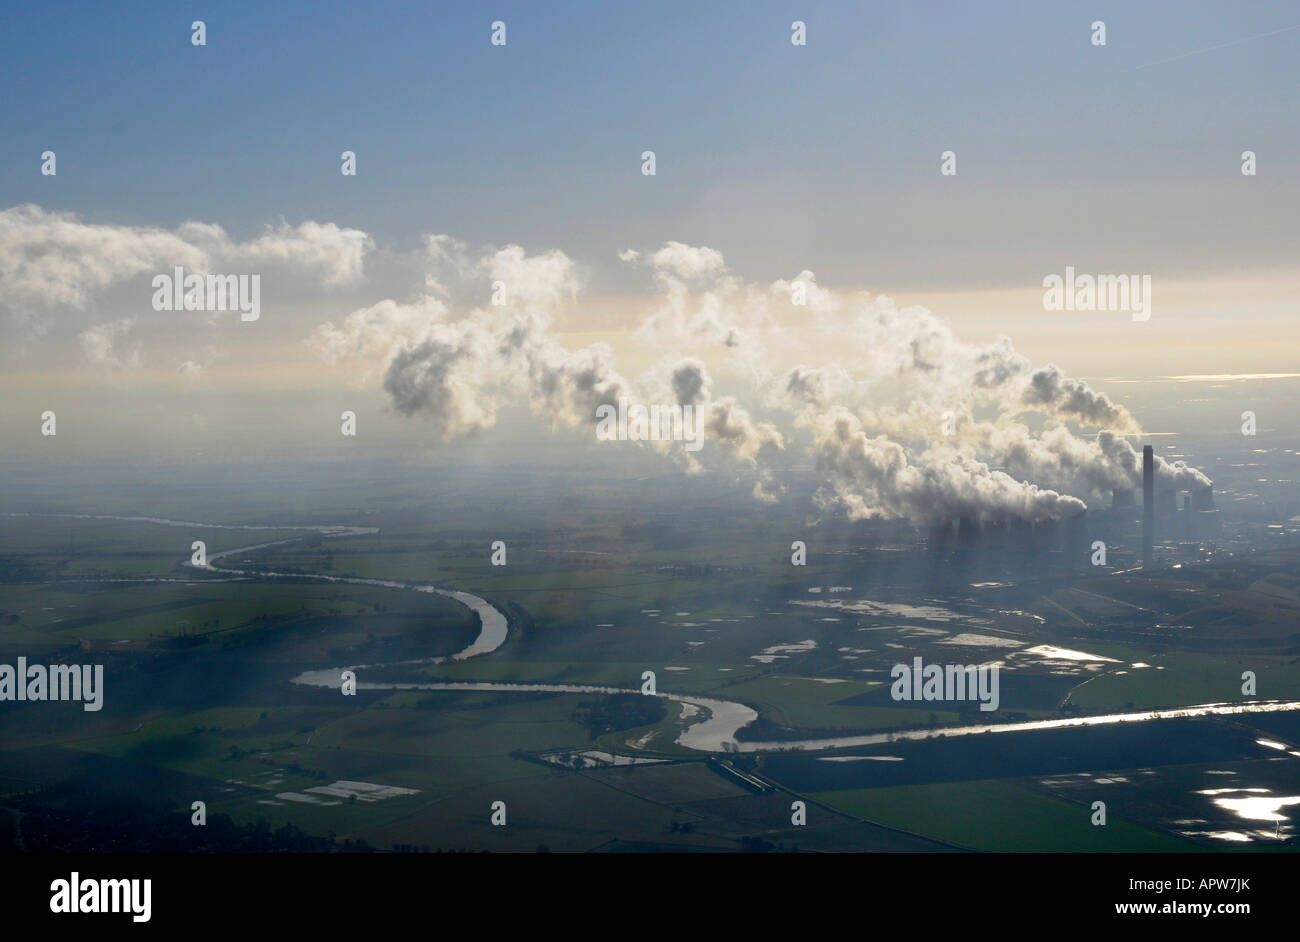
{"x": 824, "y": 156}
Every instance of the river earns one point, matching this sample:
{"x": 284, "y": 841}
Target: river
{"x": 720, "y": 721}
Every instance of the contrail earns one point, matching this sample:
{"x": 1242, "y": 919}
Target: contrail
{"x": 1235, "y": 42}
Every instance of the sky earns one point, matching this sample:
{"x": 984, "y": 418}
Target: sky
{"x": 823, "y": 156}
{"x": 774, "y": 163}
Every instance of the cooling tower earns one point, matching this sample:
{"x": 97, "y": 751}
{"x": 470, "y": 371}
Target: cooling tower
{"x": 1076, "y": 539}
{"x": 1203, "y": 498}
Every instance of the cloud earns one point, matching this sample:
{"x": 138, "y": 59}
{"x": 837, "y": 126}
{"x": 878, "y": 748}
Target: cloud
{"x": 704, "y": 305}
{"x": 1052, "y": 390}
{"x": 873, "y": 477}
{"x": 376, "y": 329}
{"x": 1059, "y": 459}
{"x": 688, "y": 262}
{"x": 335, "y": 255}
{"x": 446, "y": 377}
{"x": 804, "y": 388}
{"x": 534, "y": 284}
{"x": 892, "y": 411}
{"x": 50, "y": 260}
{"x": 53, "y": 265}
{"x": 457, "y": 371}
{"x": 730, "y": 425}
{"x": 193, "y": 369}
{"x": 691, "y": 383}
{"x": 104, "y": 345}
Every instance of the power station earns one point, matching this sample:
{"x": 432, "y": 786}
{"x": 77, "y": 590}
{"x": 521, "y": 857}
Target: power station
{"x": 1176, "y": 512}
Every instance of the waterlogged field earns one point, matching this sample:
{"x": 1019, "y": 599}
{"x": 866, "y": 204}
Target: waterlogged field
{"x": 200, "y": 706}
{"x": 1179, "y": 678}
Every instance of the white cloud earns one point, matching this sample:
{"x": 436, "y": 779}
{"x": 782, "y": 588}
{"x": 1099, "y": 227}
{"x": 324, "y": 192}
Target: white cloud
{"x": 104, "y": 345}
{"x": 53, "y": 265}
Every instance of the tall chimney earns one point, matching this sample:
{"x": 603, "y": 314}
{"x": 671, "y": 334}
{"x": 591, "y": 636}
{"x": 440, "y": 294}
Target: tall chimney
{"x": 1148, "y": 506}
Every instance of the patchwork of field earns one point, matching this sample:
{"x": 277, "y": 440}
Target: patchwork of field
{"x": 199, "y": 706}
{"x": 1235, "y": 803}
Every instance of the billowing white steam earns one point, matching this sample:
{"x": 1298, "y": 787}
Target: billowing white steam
{"x": 458, "y": 373}
{"x": 872, "y": 477}
{"x": 892, "y": 413}
{"x": 904, "y": 419}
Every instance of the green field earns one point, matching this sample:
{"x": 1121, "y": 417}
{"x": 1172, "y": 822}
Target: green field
{"x": 1181, "y": 679}
{"x": 999, "y": 815}
{"x": 199, "y": 704}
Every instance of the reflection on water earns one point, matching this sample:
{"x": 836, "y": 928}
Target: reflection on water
{"x": 1052, "y": 652}
{"x": 1257, "y": 808}
{"x": 873, "y": 739}
{"x": 871, "y": 607}
{"x": 1236, "y": 836}
{"x": 1221, "y": 791}
{"x": 594, "y": 759}
{"x": 1248, "y": 804}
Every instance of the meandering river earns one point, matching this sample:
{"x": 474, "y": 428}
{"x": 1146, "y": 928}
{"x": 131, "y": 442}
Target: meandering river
{"x": 716, "y": 725}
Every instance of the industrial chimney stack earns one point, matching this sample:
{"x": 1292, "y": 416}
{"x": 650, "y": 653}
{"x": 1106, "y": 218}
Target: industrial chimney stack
{"x": 1148, "y": 506}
